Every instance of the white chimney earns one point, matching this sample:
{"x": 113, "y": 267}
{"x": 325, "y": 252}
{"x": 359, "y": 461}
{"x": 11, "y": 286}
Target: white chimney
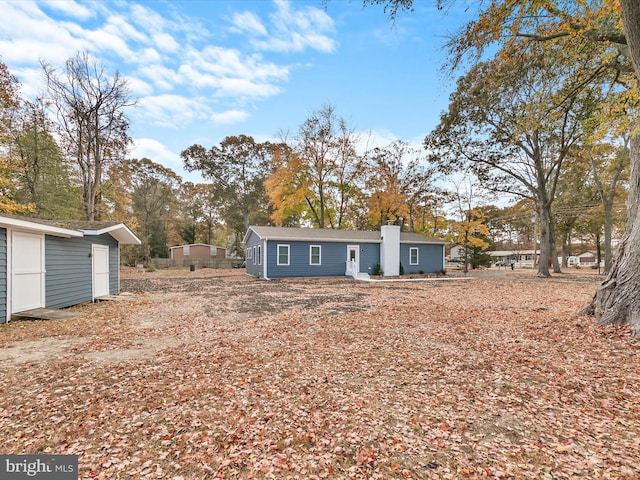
{"x": 390, "y": 250}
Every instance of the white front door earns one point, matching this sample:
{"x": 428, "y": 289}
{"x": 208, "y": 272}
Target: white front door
{"x": 27, "y": 271}
{"x": 353, "y": 260}
{"x": 100, "y": 256}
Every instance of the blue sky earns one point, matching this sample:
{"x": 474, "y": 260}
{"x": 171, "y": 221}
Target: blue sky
{"x": 203, "y": 70}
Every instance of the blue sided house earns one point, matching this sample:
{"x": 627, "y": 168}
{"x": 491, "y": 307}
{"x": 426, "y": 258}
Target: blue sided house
{"x": 57, "y": 264}
{"x": 280, "y": 252}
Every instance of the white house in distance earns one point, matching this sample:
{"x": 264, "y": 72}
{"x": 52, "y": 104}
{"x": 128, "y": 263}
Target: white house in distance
{"x": 525, "y": 258}
{"x": 520, "y": 258}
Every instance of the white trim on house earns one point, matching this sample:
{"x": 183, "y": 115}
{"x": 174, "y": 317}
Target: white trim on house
{"x": 72, "y": 228}
{"x": 38, "y": 227}
{"x": 353, "y": 261}
{"x": 99, "y": 252}
{"x": 264, "y": 264}
{"x": 278, "y": 254}
{"x": 120, "y": 232}
{"x": 34, "y": 284}
{"x": 417, "y": 259}
{"x": 311, "y": 262}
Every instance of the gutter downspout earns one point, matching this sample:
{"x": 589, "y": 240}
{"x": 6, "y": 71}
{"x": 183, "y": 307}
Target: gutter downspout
{"x": 264, "y": 260}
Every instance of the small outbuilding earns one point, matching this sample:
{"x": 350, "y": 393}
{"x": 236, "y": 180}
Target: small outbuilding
{"x": 197, "y": 251}
{"x": 278, "y": 252}
{"x": 57, "y": 264}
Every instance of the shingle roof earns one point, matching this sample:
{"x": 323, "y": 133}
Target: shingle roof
{"x": 332, "y": 235}
{"x": 68, "y": 224}
{"x": 68, "y": 227}
{"x": 412, "y": 237}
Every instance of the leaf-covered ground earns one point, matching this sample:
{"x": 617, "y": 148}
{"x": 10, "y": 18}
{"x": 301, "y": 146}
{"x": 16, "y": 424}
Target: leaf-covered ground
{"x": 213, "y": 374}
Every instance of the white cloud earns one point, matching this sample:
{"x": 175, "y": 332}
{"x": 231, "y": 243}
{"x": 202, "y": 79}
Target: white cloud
{"x": 166, "y": 43}
{"x": 231, "y": 74}
{"x": 70, "y": 8}
{"x": 163, "y": 78}
{"x": 291, "y": 29}
{"x": 139, "y": 87}
{"x": 296, "y": 30}
{"x": 102, "y": 40}
{"x": 157, "y": 152}
{"x": 248, "y": 22}
{"x": 233, "y": 63}
{"x": 230, "y": 117}
{"x": 173, "y": 110}
{"x": 374, "y": 138}
{"x": 27, "y": 35}
{"x": 31, "y": 81}
{"x": 242, "y": 87}
{"x": 172, "y": 62}
{"x": 149, "y": 20}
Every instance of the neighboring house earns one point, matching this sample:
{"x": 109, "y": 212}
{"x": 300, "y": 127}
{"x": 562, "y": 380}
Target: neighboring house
{"x": 519, "y": 258}
{"x": 456, "y": 253}
{"x": 587, "y": 259}
{"x": 197, "y": 251}
{"x": 277, "y": 252}
{"x": 57, "y": 264}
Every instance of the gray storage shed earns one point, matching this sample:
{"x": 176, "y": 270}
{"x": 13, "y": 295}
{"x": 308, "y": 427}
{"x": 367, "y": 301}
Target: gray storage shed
{"x": 56, "y": 264}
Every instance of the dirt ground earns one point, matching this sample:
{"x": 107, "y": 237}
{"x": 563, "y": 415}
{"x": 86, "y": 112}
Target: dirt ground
{"x": 215, "y": 374}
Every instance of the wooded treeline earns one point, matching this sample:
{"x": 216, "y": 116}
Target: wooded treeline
{"x": 589, "y": 54}
{"x": 545, "y": 122}
{"x": 53, "y": 168}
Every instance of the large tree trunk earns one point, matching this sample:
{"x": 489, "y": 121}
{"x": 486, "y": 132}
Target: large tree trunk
{"x": 545, "y": 240}
{"x": 554, "y": 250}
{"x": 617, "y": 300}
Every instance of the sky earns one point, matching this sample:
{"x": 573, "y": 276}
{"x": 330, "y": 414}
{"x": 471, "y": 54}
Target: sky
{"x": 203, "y": 70}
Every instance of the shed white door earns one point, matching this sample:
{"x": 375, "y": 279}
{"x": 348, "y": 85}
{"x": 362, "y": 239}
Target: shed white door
{"x": 100, "y": 256}
{"x": 27, "y": 271}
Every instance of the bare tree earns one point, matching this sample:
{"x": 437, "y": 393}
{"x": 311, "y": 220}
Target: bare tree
{"x": 90, "y": 108}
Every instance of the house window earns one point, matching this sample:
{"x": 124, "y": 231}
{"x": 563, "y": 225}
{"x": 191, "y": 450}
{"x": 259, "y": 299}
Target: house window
{"x": 254, "y": 255}
{"x": 315, "y": 254}
{"x": 213, "y": 251}
{"x": 185, "y": 250}
{"x": 249, "y": 253}
{"x": 259, "y": 254}
{"x": 283, "y": 254}
{"x": 413, "y": 256}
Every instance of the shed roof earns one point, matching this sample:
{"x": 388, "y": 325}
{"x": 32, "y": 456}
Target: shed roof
{"x": 331, "y": 235}
{"x": 71, "y": 228}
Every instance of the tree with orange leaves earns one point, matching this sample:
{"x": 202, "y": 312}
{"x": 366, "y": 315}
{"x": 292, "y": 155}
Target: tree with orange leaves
{"x": 615, "y": 26}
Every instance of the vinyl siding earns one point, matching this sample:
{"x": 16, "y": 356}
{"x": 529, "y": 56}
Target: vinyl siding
{"x": 430, "y": 258}
{"x": 68, "y": 265}
{"x": 334, "y": 256}
{"x": 3, "y": 275}
{"x": 251, "y": 269}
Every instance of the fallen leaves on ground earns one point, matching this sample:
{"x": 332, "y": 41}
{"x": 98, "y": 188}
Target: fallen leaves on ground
{"x": 217, "y": 375}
